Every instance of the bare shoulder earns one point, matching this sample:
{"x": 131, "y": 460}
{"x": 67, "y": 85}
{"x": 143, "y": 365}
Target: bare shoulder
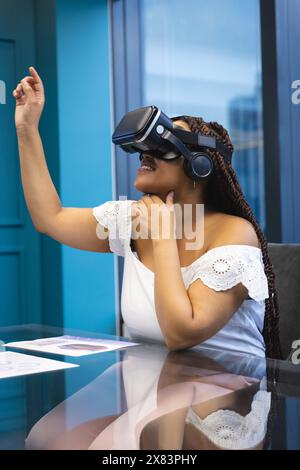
{"x": 230, "y": 230}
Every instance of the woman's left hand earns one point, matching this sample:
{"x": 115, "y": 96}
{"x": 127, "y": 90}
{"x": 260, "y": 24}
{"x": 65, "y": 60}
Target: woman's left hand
{"x": 156, "y": 217}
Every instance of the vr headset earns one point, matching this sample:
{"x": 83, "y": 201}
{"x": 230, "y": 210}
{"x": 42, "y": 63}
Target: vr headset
{"x": 149, "y": 130}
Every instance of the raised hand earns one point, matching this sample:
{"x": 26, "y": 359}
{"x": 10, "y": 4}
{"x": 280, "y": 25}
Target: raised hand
{"x": 30, "y": 100}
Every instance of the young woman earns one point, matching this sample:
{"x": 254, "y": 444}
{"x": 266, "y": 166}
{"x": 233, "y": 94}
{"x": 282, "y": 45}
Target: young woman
{"x": 222, "y": 294}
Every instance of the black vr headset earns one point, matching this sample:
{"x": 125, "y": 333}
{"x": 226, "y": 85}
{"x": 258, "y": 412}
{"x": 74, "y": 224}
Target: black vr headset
{"x": 149, "y": 130}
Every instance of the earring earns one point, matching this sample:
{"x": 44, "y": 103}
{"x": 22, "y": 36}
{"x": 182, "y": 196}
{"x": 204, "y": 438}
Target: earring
{"x": 194, "y": 184}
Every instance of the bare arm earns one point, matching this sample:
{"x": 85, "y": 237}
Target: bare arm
{"x": 75, "y": 227}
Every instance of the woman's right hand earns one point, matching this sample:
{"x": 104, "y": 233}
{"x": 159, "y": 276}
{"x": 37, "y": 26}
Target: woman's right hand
{"x": 30, "y": 100}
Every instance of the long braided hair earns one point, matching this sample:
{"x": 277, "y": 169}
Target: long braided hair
{"x": 224, "y": 193}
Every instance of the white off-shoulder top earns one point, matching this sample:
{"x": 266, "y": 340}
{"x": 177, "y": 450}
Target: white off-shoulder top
{"x": 219, "y": 268}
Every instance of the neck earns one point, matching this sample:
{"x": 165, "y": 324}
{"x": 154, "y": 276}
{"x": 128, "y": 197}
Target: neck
{"x": 190, "y": 196}
{"x": 183, "y": 196}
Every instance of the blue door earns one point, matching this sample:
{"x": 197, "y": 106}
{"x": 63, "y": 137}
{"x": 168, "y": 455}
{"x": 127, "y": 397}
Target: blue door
{"x": 19, "y": 241}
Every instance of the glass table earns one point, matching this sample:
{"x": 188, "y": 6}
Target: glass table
{"x": 146, "y": 397}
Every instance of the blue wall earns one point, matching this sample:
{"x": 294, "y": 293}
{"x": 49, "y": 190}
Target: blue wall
{"x": 72, "y": 56}
{"x": 51, "y": 251}
{"x": 82, "y": 41}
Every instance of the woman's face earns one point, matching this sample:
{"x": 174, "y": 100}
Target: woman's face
{"x": 164, "y": 176}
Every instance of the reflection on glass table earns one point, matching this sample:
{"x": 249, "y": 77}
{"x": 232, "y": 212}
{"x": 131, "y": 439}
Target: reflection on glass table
{"x": 148, "y": 397}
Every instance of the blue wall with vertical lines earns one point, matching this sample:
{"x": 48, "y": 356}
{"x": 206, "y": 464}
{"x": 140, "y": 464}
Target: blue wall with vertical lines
{"x": 82, "y": 35}
{"x": 288, "y": 40}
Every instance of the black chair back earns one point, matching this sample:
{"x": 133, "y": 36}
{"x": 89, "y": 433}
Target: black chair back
{"x": 285, "y": 259}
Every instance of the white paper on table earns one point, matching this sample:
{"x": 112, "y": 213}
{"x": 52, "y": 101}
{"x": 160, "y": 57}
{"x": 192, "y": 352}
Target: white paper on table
{"x": 71, "y": 345}
{"x": 13, "y": 364}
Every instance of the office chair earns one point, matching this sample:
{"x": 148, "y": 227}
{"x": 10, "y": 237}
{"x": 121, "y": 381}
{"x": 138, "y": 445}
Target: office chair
{"x": 285, "y": 259}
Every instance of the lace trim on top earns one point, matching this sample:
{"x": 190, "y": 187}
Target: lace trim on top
{"x": 226, "y": 266}
{"x": 230, "y": 430}
{"x": 116, "y": 217}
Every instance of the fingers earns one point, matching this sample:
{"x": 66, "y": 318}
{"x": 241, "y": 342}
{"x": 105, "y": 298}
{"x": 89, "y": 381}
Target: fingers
{"x": 37, "y": 78}
{"x": 34, "y": 74}
{"x": 29, "y": 85}
{"x": 27, "y": 89}
{"x": 146, "y": 200}
{"x": 18, "y": 92}
{"x": 170, "y": 198}
{"x": 153, "y": 199}
{"x": 135, "y": 210}
{"x": 142, "y": 207}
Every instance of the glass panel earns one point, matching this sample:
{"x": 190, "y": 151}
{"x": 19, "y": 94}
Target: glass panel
{"x": 204, "y": 59}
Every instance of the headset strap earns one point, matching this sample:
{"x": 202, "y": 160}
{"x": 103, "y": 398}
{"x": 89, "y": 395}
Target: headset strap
{"x": 202, "y": 140}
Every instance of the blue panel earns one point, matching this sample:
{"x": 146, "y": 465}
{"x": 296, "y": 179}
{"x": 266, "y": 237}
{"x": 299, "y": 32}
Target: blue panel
{"x": 293, "y": 420}
{"x": 294, "y": 41}
{"x": 45, "y": 14}
{"x": 9, "y": 194}
{"x": 13, "y": 414}
{"x": 85, "y": 154}
{"x": 11, "y": 296}
{"x": 20, "y": 276}
{"x": 19, "y": 241}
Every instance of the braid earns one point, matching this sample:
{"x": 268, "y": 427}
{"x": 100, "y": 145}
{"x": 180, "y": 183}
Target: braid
{"x": 225, "y": 193}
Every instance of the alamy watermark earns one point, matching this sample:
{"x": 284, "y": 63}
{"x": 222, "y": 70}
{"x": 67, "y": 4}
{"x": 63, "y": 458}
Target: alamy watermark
{"x": 295, "y": 356}
{"x": 181, "y": 222}
{"x": 2, "y": 92}
{"x": 296, "y": 94}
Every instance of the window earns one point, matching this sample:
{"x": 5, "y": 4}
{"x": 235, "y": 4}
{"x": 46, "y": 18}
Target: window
{"x": 204, "y": 59}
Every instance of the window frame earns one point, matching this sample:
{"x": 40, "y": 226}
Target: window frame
{"x": 127, "y": 90}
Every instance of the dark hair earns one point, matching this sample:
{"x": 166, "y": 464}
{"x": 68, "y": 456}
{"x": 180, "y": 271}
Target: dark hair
{"x": 224, "y": 193}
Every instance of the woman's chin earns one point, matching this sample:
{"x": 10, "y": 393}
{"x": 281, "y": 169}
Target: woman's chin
{"x": 146, "y": 184}
{"x": 143, "y": 186}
